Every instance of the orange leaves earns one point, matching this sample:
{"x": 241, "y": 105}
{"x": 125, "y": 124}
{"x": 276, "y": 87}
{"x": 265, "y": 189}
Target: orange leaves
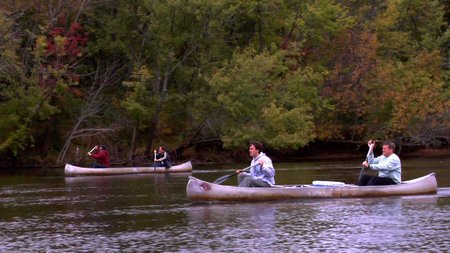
{"x": 419, "y": 91}
{"x": 353, "y": 63}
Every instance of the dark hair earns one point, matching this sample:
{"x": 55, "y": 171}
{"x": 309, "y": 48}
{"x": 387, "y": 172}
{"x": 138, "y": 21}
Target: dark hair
{"x": 103, "y": 147}
{"x": 162, "y": 148}
{"x": 390, "y": 144}
{"x": 258, "y": 145}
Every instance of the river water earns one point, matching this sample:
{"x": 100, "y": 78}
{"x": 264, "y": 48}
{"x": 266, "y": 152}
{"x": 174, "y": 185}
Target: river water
{"x": 42, "y": 211}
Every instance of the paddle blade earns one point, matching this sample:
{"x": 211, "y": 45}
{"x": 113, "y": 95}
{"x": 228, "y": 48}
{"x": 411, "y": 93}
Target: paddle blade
{"x": 222, "y": 179}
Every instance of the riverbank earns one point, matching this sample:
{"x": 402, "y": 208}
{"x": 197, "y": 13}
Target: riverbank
{"x": 312, "y": 154}
{"x": 215, "y": 155}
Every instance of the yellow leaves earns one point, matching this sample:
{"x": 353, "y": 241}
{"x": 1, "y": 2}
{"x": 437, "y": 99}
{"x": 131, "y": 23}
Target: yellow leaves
{"x": 59, "y": 44}
{"x": 41, "y": 46}
{"x": 389, "y": 18}
{"x": 430, "y": 61}
{"x": 140, "y": 75}
{"x": 139, "y": 98}
{"x": 416, "y": 90}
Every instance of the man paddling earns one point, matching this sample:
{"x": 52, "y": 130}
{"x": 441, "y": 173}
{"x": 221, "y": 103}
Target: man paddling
{"x": 101, "y": 157}
{"x": 388, "y": 165}
{"x": 162, "y": 158}
{"x": 262, "y": 173}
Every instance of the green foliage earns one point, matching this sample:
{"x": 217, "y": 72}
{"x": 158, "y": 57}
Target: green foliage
{"x": 325, "y": 19}
{"x": 262, "y": 98}
{"x": 17, "y": 99}
{"x": 139, "y": 101}
{"x": 409, "y": 26}
{"x": 409, "y": 94}
{"x": 283, "y": 72}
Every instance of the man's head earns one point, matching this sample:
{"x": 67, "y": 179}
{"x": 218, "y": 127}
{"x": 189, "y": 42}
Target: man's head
{"x": 255, "y": 148}
{"x": 103, "y": 147}
{"x": 161, "y": 150}
{"x": 388, "y": 148}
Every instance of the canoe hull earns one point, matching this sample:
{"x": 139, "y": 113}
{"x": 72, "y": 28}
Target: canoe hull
{"x": 198, "y": 190}
{"x": 72, "y": 170}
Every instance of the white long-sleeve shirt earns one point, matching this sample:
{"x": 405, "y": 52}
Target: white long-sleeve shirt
{"x": 389, "y": 166}
{"x": 266, "y": 172}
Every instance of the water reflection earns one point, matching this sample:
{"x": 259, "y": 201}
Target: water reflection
{"x": 150, "y": 213}
{"x": 337, "y": 224}
{"x": 234, "y": 224}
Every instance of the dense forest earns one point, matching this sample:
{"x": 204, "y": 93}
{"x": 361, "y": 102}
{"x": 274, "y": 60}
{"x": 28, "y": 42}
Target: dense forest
{"x": 209, "y": 75}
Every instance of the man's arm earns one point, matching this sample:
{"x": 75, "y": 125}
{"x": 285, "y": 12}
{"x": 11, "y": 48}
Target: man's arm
{"x": 371, "y": 159}
{"x": 98, "y": 155}
{"x": 267, "y": 168}
{"x": 164, "y": 157}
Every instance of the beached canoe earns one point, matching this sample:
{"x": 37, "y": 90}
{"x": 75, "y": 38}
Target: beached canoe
{"x": 198, "y": 190}
{"x": 72, "y": 170}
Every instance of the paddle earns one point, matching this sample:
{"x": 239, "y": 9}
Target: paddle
{"x": 371, "y": 143}
{"x": 222, "y": 179}
{"x": 89, "y": 153}
{"x": 154, "y": 159}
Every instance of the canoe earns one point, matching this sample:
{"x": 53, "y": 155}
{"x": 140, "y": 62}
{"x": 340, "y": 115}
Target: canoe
{"x": 72, "y": 170}
{"x": 199, "y": 190}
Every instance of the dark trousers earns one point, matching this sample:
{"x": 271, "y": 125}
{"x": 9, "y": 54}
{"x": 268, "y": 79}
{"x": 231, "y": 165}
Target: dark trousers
{"x": 97, "y": 165}
{"x": 166, "y": 163}
{"x": 163, "y": 163}
{"x": 374, "y": 180}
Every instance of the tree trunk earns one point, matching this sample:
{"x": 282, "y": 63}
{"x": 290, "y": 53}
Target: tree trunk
{"x": 260, "y": 29}
{"x": 153, "y": 131}
{"x": 133, "y": 142}
{"x": 92, "y": 107}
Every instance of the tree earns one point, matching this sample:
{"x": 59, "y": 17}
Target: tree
{"x": 263, "y": 96}
{"x": 407, "y": 97}
{"x": 139, "y": 102}
{"x": 354, "y": 58}
{"x": 49, "y": 55}
{"x": 410, "y": 26}
{"x": 16, "y": 99}
{"x": 92, "y": 106}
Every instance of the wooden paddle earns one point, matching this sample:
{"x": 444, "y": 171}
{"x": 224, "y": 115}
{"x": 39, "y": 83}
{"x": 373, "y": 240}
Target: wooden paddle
{"x": 154, "y": 159}
{"x": 89, "y": 153}
{"x": 222, "y": 179}
{"x": 372, "y": 144}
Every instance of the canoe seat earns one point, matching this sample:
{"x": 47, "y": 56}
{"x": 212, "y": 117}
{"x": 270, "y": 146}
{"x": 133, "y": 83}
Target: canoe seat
{"x": 286, "y": 186}
{"x": 327, "y": 183}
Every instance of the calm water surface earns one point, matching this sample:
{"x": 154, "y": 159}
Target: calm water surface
{"x": 42, "y": 211}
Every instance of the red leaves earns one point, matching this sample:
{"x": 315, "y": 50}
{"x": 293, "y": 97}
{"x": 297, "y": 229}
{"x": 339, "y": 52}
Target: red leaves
{"x": 64, "y": 45}
{"x": 68, "y": 43}
{"x": 76, "y": 40}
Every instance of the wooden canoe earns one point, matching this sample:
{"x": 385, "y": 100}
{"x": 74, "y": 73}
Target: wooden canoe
{"x": 198, "y": 190}
{"x": 72, "y": 170}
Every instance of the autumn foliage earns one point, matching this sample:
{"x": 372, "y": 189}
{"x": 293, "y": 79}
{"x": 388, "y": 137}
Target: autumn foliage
{"x": 60, "y": 50}
{"x": 204, "y": 74}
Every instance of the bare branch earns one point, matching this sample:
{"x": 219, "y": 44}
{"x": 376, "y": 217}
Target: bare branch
{"x": 93, "y": 106}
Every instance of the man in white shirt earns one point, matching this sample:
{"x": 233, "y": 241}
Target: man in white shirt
{"x": 388, "y": 165}
{"x": 262, "y": 173}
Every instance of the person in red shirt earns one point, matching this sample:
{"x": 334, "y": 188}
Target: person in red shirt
{"x": 101, "y": 157}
